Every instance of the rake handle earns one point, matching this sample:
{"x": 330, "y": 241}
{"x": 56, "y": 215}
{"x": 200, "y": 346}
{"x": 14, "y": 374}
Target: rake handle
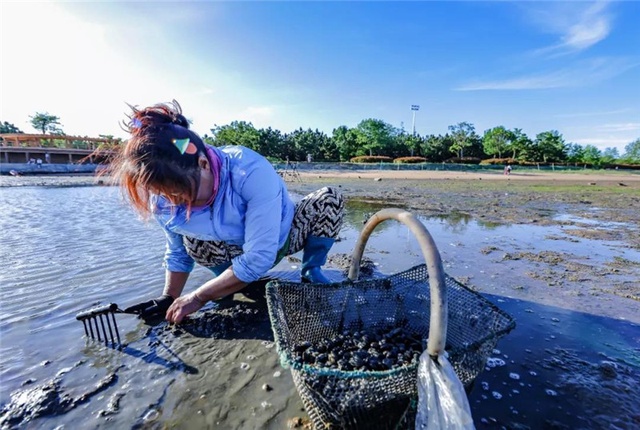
{"x": 439, "y": 309}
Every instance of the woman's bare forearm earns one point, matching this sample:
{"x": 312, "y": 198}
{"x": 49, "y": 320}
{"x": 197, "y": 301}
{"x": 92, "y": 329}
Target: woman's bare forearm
{"x": 174, "y": 283}
{"x": 221, "y": 286}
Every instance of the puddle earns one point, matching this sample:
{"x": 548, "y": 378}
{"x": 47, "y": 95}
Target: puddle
{"x": 573, "y": 219}
{"x": 574, "y": 370}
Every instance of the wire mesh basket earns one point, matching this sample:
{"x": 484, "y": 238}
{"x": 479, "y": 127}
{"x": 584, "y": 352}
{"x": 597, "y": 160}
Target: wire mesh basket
{"x": 423, "y": 302}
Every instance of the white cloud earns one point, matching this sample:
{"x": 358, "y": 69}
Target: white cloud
{"x": 579, "y": 25}
{"x": 604, "y": 142}
{"x": 584, "y": 73}
{"x": 259, "y": 111}
{"x": 587, "y": 114}
{"x": 260, "y": 116}
{"x": 629, "y": 126}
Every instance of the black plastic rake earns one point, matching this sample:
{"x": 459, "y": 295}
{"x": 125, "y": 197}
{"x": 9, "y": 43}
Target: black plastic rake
{"x": 94, "y": 319}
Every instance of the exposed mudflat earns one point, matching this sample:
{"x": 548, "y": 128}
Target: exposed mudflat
{"x": 573, "y": 285}
{"x": 600, "y": 207}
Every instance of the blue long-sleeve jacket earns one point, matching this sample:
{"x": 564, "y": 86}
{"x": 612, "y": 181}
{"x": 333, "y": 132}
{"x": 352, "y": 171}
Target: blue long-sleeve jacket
{"x": 252, "y": 209}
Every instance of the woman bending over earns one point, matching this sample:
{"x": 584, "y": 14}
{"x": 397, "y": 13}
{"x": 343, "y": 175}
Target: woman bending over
{"x": 224, "y": 208}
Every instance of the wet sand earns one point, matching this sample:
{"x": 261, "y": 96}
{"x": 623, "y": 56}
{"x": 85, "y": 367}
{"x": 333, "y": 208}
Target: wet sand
{"x": 221, "y": 370}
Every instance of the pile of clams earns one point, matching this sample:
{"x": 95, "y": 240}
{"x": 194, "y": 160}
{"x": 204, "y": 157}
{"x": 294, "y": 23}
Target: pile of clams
{"x": 376, "y": 350}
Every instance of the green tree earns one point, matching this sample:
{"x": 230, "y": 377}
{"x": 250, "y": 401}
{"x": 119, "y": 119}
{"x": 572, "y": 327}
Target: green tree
{"x": 308, "y": 142}
{"x": 610, "y": 155}
{"x": 550, "y": 146}
{"x": 461, "y": 134}
{"x": 497, "y": 140}
{"x": 632, "y": 152}
{"x": 237, "y": 133}
{"x": 346, "y": 141}
{"x": 591, "y": 155}
{"x": 575, "y": 153}
{"x": 209, "y": 140}
{"x": 408, "y": 145}
{"x": 329, "y": 151}
{"x": 375, "y": 136}
{"x": 274, "y": 144}
{"x": 521, "y": 146}
{"x": 437, "y": 148}
{"x": 45, "y": 122}
{"x": 7, "y": 127}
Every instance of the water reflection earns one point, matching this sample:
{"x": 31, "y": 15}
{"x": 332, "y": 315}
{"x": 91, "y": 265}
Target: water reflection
{"x": 358, "y": 211}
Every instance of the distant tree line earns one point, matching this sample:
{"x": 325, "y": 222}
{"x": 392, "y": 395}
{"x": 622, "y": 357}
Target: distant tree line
{"x": 374, "y": 137}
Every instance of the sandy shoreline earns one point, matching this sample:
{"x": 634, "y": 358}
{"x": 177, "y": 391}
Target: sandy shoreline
{"x": 532, "y": 175}
{"x": 597, "y": 177}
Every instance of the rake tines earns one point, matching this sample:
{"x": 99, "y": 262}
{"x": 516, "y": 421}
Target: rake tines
{"x": 90, "y": 319}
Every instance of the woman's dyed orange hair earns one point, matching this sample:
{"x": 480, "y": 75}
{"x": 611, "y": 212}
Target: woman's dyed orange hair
{"x": 151, "y": 163}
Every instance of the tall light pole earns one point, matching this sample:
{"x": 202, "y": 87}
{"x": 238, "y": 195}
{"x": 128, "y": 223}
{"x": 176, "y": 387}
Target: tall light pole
{"x": 414, "y": 108}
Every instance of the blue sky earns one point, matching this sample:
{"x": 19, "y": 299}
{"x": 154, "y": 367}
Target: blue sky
{"x": 569, "y": 66}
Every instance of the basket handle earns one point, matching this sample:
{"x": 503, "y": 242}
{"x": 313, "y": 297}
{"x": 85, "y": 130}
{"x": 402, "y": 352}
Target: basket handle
{"x": 438, "y": 319}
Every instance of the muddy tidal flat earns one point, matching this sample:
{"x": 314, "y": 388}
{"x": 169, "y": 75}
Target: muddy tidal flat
{"x": 560, "y": 252}
{"x": 601, "y": 207}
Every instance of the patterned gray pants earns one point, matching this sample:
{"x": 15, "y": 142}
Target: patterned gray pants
{"x": 317, "y": 214}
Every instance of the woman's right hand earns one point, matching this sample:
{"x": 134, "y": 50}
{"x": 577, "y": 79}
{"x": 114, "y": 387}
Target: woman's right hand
{"x": 183, "y": 306}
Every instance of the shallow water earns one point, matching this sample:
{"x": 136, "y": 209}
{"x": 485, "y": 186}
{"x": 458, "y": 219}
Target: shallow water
{"x": 67, "y": 249}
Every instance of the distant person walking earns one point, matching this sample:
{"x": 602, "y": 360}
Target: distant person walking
{"x": 47, "y": 158}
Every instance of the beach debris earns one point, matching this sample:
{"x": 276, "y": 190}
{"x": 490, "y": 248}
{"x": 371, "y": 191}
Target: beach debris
{"x": 267, "y": 387}
{"x": 114, "y": 405}
{"x": 150, "y": 416}
{"x": 298, "y": 422}
{"x": 266, "y": 405}
{"x": 46, "y": 400}
{"x": 102, "y": 313}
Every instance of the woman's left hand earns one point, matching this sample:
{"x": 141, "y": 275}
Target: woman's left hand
{"x": 182, "y": 307}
